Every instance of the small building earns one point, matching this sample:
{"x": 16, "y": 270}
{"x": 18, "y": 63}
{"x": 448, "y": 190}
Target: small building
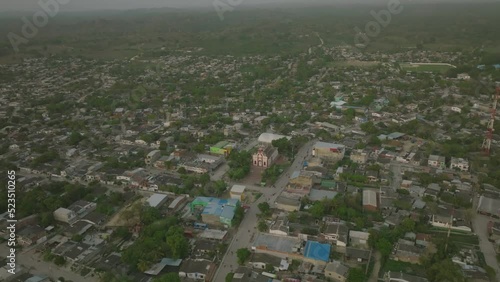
{"x": 359, "y": 156}
{"x": 436, "y": 161}
{"x": 402, "y": 277}
{"x": 65, "y": 215}
{"x": 152, "y": 157}
{"x": 265, "y": 156}
{"x": 268, "y": 138}
{"x": 358, "y": 238}
{"x": 202, "y": 270}
{"x": 328, "y": 151}
{"x": 222, "y": 148}
{"x": 156, "y": 200}
{"x": 358, "y": 255}
{"x": 459, "y": 163}
{"x": 261, "y": 261}
{"x": 337, "y": 234}
{"x": 336, "y": 271}
{"x": 488, "y": 206}
{"x": 237, "y": 192}
{"x": 31, "y": 235}
{"x": 287, "y": 204}
{"x": 370, "y": 201}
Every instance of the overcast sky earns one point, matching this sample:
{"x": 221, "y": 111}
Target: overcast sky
{"x": 82, "y": 5}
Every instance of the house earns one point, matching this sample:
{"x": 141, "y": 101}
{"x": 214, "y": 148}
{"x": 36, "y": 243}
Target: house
{"x": 287, "y": 204}
{"x": 358, "y": 255}
{"x": 268, "y": 138}
{"x": 265, "y": 156}
{"x": 65, "y": 215}
{"x": 202, "y": 270}
{"x": 157, "y": 200}
{"x": 463, "y": 76}
{"x": 336, "y": 271}
{"x": 222, "y": 148}
{"x": 280, "y": 226}
{"x": 81, "y": 207}
{"x": 261, "y": 261}
{"x": 329, "y": 151}
{"x": 152, "y": 157}
{"x": 38, "y": 278}
{"x": 31, "y": 235}
{"x": 459, "y": 163}
{"x": 358, "y": 239}
{"x": 337, "y": 234}
{"x": 436, "y": 161}
{"x": 215, "y": 211}
{"x": 449, "y": 218}
{"x": 370, "y": 201}
{"x": 204, "y": 247}
{"x": 359, "y": 156}
{"x": 237, "y": 191}
{"x": 402, "y": 277}
{"x": 488, "y": 206}
{"x": 408, "y": 253}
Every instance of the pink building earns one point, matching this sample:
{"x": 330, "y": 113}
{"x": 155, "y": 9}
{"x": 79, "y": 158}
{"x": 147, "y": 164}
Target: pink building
{"x": 265, "y": 156}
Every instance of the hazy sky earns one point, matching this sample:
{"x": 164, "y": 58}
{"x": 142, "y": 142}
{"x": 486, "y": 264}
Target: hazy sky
{"x": 32, "y": 5}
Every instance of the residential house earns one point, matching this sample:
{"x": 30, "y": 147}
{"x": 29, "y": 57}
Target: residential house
{"x": 370, "y": 200}
{"x": 358, "y": 239}
{"x": 336, "y": 271}
{"x": 65, "y": 215}
{"x": 436, "y": 161}
{"x": 202, "y": 247}
{"x": 358, "y": 255}
{"x": 402, "y": 277}
{"x": 280, "y": 226}
{"x": 449, "y": 218}
{"x": 31, "y": 235}
{"x": 265, "y": 156}
{"x": 152, "y": 157}
{"x": 237, "y": 192}
{"x": 328, "y": 151}
{"x": 261, "y": 261}
{"x": 408, "y": 253}
{"x": 459, "y": 163}
{"x": 337, "y": 234}
{"x": 287, "y": 204}
{"x": 202, "y": 270}
{"x": 359, "y": 156}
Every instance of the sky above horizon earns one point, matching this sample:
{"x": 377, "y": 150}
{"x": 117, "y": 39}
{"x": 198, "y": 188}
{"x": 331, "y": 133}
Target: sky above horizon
{"x": 85, "y": 5}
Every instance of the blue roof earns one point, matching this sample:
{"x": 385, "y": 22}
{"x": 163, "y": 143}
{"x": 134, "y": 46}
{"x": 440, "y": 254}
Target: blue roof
{"x": 228, "y": 212}
{"x": 317, "y": 251}
{"x": 36, "y": 278}
{"x": 482, "y": 67}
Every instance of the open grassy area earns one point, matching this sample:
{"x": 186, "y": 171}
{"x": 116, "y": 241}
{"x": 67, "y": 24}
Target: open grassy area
{"x": 355, "y": 63}
{"x": 413, "y": 67}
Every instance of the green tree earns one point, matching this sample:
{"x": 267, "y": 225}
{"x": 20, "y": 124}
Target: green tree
{"x": 59, "y": 260}
{"x": 169, "y": 277}
{"x": 356, "y": 275}
{"x": 176, "y": 242}
{"x": 229, "y": 277}
{"x": 262, "y": 226}
{"x": 265, "y": 209}
{"x": 243, "y": 254}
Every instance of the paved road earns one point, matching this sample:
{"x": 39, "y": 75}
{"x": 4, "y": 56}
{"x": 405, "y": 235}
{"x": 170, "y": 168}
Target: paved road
{"x": 247, "y": 230}
{"x": 376, "y": 268}
{"x": 480, "y": 224}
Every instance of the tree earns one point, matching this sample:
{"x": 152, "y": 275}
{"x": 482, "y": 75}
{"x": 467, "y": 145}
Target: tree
{"x": 262, "y": 226}
{"x": 369, "y": 127}
{"x": 59, "y": 260}
{"x": 384, "y": 247}
{"x": 265, "y": 209}
{"x": 149, "y": 215}
{"x": 445, "y": 271}
{"x": 176, "y": 242}
{"x": 243, "y": 254}
{"x": 169, "y": 277}
{"x": 229, "y": 277}
{"x": 356, "y": 275}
